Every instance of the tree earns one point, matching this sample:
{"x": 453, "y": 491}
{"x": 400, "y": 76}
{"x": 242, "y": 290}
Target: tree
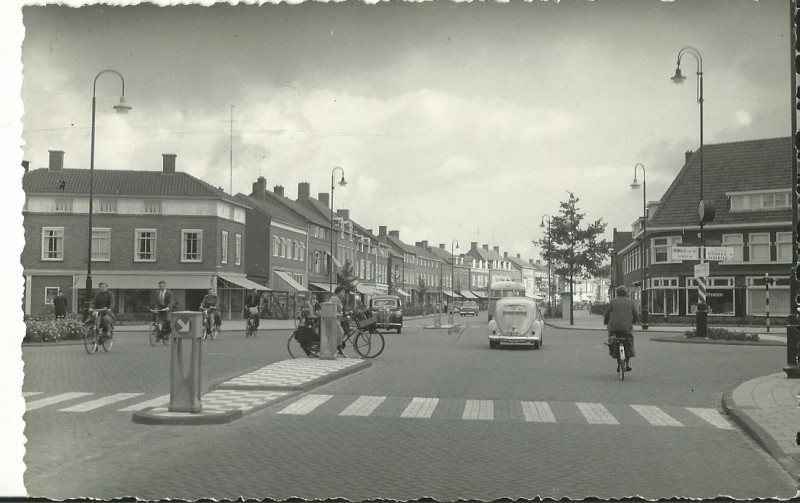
{"x": 422, "y": 288}
{"x": 346, "y": 277}
{"x": 394, "y": 280}
{"x": 573, "y": 250}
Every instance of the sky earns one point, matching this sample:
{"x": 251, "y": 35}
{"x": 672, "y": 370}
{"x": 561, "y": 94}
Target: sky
{"x": 452, "y": 121}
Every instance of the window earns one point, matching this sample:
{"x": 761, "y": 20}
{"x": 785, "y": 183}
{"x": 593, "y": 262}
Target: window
{"x": 316, "y": 262}
{"x": 191, "y": 245}
{"x": 151, "y": 207}
{"x": 62, "y": 205}
{"x": 238, "y": 249}
{"x": 276, "y": 246}
{"x": 302, "y": 252}
{"x": 661, "y": 249}
{"x": 101, "y": 245}
{"x": 759, "y": 247}
{"x": 224, "y": 251}
{"x": 735, "y": 241}
{"x": 107, "y": 206}
{"x": 784, "y": 246}
{"x": 145, "y": 245}
{"x": 50, "y": 294}
{"x": 52, "y": 243}
{"x": 763, "y": 201}
{"x": 283, "y": 248}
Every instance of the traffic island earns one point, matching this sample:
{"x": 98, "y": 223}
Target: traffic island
{"x": 162, "y": 415}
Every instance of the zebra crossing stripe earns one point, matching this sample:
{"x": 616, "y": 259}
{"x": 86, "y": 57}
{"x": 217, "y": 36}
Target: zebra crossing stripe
{"x": 306, "y": 404}
{"x": 479, "y": 409}
{"x": 711, "y": 416}
{"x": 44, "y": 402}
{"x": 364, "y": 406}
{"x": 26, "y": 394}
{"x": 656, "y": 416}
{"x": 155, "y": 402}
{"x": 100, "y": 402}
{"x": 596, "y": 413}
{"x": 420, "y": 407}
{"x": 538, "y": 412}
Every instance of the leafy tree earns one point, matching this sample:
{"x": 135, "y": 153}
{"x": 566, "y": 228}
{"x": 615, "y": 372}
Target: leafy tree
{"x": 574, "y": 250}
{"x": 422, "y": 288}
{"x": 394, "y": 280}
{"x": 346, "y": 277}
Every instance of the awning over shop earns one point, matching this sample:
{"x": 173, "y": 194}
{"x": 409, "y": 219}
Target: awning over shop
{"x": 325, "y": 287}
{"x": 468, "y": 295}
{"x": 478, "y": 295}
{"x": 290, "y": 283}
{"x": 242, "y": 282}
{"x": 403, "y": 292}
{"x": 450, "y": 293}
{"x": 335, "y": 260}
{"x": 366, "y": 289}
{"x": 145, "y": 281}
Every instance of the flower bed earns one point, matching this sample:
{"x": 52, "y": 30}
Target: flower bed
{"x": 715, "y": 333}
{"x": 48, "y": 329}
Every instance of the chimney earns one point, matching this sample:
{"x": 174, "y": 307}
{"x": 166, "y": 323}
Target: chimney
{"x": 169, "y": 164}
{"x": 324, "y": 198}
{"x": 486, "y": 247}
{"x": 395, "y": 234}
{"x": 260, "y": 189}
{"x": 381, "y": 231}
{"x": 303, "y": 191}
{"x": 518, "y": 255}
{"x": 473, "y": 245}
{"x": 369, "y": 231}
{"x": 424, "y": 243}
{"x": 505, "y": 255}
{"x": 688, "y": 155}
{"x": 496, "y": 249}
{"x": 418, "y": 244}
{"x": 343, "y": 213}
{"x": 278, "y": 190}
{"x": 56, "y": 160}
{"x": 26, "y": 165}
{"x": 441, "y": 245}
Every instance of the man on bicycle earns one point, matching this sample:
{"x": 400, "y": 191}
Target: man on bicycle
{"x": 164, "y": 301}
{"x": 211, "y": 300}
{"x": 619, "y": 316}
{"x": 104, "y": 299}
{"x": 306, "y": 313}
{"x": 253, "y": 305}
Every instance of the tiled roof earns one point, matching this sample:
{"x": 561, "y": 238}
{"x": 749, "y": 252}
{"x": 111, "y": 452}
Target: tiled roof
{"x": 728, "y": 167}
{"x": 425, "y": 253}
{"x": 399, "y": 245}
{"x": 622, "y": 239}
{"x": 521, "y": 263}
{"x": 441, "y": 253}
{"x": 108, "y": 182}
{"x": 318, "y": 208}
{"x": 489, "y": 254}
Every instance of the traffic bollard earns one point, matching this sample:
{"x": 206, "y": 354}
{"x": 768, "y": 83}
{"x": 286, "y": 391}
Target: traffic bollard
{"x": 437, "y": 319}
{"x": 329, "y": 321}
{"x": 184, "y": 387}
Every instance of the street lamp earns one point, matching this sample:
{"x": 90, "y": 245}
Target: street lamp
{"x": 705, "y": 211}
{"x": 636, "y": 185}
{"x": 549, "y": 245}
{"x": 121, "y": 108}
{"x": 452, "y": 269}
{"x": 342, "y": 183}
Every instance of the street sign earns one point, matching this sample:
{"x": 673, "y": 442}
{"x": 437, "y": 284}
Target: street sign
{"x": 701, "y": 270}
{"x": 685, "y": 253}
{"x": 182, "y": 324}
{"x": 719, "y": 253}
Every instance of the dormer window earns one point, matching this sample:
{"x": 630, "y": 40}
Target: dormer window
{"x": 62, "y": 205}
{"x": 107, "y": 206}
{"x": 760, "y": 200}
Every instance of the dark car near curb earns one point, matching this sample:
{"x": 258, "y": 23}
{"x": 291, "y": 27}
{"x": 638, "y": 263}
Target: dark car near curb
{"x": 388, "y": 309}
{"x": 469, "y": 308}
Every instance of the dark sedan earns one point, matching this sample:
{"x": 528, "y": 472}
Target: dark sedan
{"x": 469, "y": 308}
{"x": 388, "y": 309}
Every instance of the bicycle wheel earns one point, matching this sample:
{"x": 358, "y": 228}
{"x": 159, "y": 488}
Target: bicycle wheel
{"x": 621, "y": 362}
{"x": 362, "y": 343}
{"x": 297, "y": 351}
{"x": 107, "y": 343}
{"x": 377, "y": 343}
{"x": 165, "y": 338}
{"x": 153, "y": 334}
{"x": 90, "y": 339}
{"x": 214, "y": 332}
{"x": 248, "y": 329}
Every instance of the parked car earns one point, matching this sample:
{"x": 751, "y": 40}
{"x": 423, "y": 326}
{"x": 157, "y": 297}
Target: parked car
{"x": 517, "y": 320}
{"x": 469, "y": 308}
{"x": 455, "y": 307}
{"x": 388, "y": 309}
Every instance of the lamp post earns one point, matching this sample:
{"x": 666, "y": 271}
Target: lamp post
{"x": 121, "y": 108}
{"x": 453, "y": 246}
{"x": 635, "y": 185}
{"x": 549, "y": 245}
{"x": 705, "y": 211}
{"x": 342, "y": 183}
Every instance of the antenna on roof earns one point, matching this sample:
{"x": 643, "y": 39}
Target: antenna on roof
{"x": 231, "y": 182}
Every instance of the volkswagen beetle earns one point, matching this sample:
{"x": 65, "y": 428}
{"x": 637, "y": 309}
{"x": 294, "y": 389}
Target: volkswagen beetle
{"x": 517, "y": 321}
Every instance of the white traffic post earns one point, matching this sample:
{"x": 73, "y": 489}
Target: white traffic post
{"x": 329, "y": 322}
{"x": 767, "y": 281}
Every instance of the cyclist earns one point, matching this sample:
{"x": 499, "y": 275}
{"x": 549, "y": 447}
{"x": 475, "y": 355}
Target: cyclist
{"x": 166, "y": 301}
{"x": 339, "y": 298}
{"x": 306, "y": 313}
{"x": 104, "y": 299}
{"x": 619, "y": 316}
{"x": 254, "y": 301}
{"x": 211, "y": 300}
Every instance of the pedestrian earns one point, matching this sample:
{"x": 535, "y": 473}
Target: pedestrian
{"x": 619, "y": 316}
{"x": 253, "y": 307}
{"x": 339, "y": 298}
{"x": 165, "y": 301}
{"x": 60, "y": 305}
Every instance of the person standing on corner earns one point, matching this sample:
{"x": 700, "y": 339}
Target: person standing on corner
{"x": 60, "y": 305}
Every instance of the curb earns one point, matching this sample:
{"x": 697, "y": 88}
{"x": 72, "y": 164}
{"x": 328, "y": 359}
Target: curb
{"x": 695, "y": 340}
{"x": 152, "y": 416}
{"x": 759, "y": 435}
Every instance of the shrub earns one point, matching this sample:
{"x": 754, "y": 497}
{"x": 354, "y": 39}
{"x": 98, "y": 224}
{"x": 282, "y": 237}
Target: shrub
{"x": 48, "y": 329}
{"x": 599, "y": 308}
{"x": 714, "y": 333}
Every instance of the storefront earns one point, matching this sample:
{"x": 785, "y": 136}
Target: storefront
{"x": 720, "y": 296}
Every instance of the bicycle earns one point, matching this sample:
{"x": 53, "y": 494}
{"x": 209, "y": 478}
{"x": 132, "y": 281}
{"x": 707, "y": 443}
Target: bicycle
{"x": 160, "y": 330}
{"x": 620, "y": 350}
{"x": 97, "y": 335}
{"x": 250, "y": 327}
{"x": 210, "y": 329}
{"x": 363, "y": 340}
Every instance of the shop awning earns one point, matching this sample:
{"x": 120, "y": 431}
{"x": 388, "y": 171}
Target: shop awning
{"x": 366, "y": 289}
{"x": 320, "y": 286}
{"x": 290, "y": 283}
{"x": 403, "y": 292}
{"x": 450, "y": 293}
{"x": 145, "y": 281}
{"x": 335, "y": 260}
{"x": 242, "y": 282}
{"x": 468, "y": 295}
{"x": 478, "y": 295}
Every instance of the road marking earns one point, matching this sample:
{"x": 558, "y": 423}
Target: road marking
{"x": 479, "y": 409}
{"x": 712, "y": 416}
{"x": 364, "y": 406}
{"x": 656, "y": 416}
{"x": 538, "y": 412}
{"x": 44, "y": 402}
{"x": 596, "y": 413}
{"x": 31, "y": 393}
{"x": 155, "y": 402}
{"x": 100, "y": 402}
{"x": 420, "y": 407}
{"x": 306, "y": 404}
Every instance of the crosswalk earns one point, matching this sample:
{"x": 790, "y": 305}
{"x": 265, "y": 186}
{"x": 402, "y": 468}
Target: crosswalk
{"x": 420, "y": 408}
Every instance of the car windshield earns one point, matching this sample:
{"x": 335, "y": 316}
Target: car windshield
{"x": 378, "y": 303}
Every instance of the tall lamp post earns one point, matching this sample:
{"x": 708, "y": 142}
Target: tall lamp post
{"x": 342, "y": 183}
{"x": 121, "y": 108}
{"x": 704, "y": 210}
{"x": 549, "y": 245}
{"x": 635, "y": 185}
{"x": 453, "y": 246}
{"x": 792, "y": 369}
